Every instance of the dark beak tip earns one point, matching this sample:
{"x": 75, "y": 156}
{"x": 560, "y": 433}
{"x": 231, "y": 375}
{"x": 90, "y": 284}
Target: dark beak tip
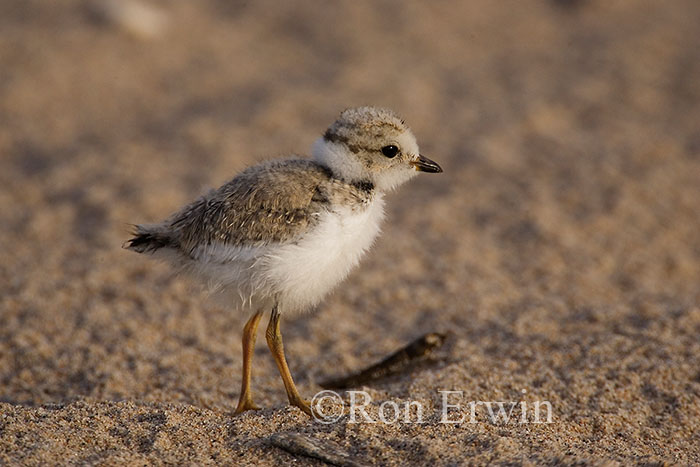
{"x": 423, "y": 164}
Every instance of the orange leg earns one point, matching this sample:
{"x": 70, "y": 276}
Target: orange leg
{"x": 274, "y": 341}
{"x": 245, "y": 400}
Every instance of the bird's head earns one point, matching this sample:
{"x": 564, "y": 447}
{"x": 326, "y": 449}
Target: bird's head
{"x": 369, "y": 144}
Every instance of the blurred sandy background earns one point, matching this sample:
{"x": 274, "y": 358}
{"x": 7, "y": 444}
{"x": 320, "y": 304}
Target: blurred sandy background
{"x": 560, "y": 246}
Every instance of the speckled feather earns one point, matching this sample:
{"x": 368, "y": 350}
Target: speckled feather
{"x": 365, "y": 128}
{"x": 273, "y": 202}
{"x": 284, "y": 233}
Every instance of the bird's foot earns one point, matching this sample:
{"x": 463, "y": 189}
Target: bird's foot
{"x": 246, "y": 404}
{"x": 303, "y": 404}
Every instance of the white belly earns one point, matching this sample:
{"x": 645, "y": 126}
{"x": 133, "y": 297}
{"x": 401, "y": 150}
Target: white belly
{"x": 295, "y": 276}
{"x": 303, "y": 273}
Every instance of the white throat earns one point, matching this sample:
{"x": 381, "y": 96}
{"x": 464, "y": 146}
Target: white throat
{"x": 337, "y": 158}
{"x": 345, "y": 165}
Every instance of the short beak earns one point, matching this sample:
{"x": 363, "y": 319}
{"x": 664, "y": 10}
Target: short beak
{"x": 423, "y": 164}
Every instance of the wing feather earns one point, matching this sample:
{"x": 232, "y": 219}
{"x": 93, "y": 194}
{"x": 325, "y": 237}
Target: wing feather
{"x": 275, "y": 202}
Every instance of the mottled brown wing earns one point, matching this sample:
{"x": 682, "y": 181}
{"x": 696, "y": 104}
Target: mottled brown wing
{"x": 275, "y": 202}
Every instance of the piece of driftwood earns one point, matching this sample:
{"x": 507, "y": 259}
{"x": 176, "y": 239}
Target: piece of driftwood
{"x": 394, "y": 363}
{"x": 301, "y": 445}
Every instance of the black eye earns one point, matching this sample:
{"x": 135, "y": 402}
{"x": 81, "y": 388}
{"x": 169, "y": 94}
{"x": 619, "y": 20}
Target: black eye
{"x": 390, "y": 151}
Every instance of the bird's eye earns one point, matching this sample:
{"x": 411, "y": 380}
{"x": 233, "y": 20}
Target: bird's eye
{"x": 390, "y": 151}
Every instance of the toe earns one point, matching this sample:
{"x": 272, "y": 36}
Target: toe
{"x": 245, "y": 406}
{"x": 304, "y": 405}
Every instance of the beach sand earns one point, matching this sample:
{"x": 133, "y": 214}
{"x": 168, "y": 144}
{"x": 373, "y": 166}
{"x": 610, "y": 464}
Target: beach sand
{"x": 560, "y": 248}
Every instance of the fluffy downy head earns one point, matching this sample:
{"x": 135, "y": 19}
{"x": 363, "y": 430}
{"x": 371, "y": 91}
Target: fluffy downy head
{"x": 369, "y": 144}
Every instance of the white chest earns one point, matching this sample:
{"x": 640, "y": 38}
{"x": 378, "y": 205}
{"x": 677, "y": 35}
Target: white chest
{"x": 302, "y": 273}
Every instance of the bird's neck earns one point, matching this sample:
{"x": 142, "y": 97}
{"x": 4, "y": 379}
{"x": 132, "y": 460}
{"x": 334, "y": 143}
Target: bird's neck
{"x": 342, "y": 163}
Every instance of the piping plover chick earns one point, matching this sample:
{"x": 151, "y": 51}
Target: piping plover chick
{"x": 283, "y": 233}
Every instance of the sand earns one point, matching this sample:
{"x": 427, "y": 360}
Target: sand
{"x": 559, "y": 249}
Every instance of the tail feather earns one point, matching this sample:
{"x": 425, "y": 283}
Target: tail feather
{"x": 148, "y": 240}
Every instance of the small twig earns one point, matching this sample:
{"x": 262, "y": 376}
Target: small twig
{"x": 394, "y": 363}
{"x": 297, "y": 444}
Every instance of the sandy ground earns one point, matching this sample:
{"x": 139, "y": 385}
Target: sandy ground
{"x": 560, "y": 248}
